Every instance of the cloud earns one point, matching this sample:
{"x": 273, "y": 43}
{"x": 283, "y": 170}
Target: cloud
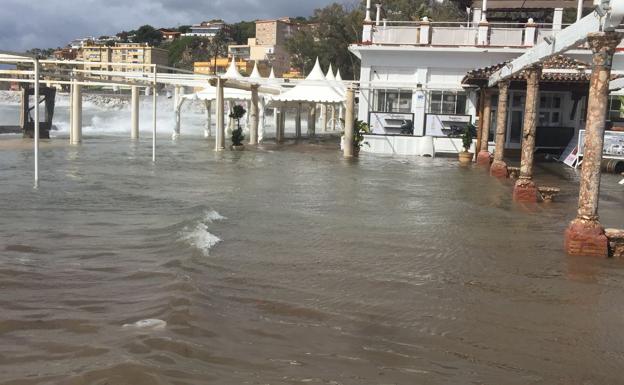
{"x": 26, "y": 24}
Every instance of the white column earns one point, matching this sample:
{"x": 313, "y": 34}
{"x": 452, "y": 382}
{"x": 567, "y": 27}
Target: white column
{"x": 298, "y": 122}
{"x": 208, "y": 127}
{"x": 557, "y": 19}
{"x": 530, "y": 29}
{"x": 579, "y": 10}
{"x": 349, "y": 122}
{"x": 154, "y": 107}
{"x": 220, "y": 140}
{"x": 253, "y": 116}
{"x": 324, "y": 116}
{"x": 76, "y": 129}
{"x": 368, "y": 11}
{"x": 378, "y": 15}
{"x": 425, "y": 31}
{"x": 262, "y": 127}
{"x": 278, "y": 123}
{"x": 333, "y": 117}
{"x": 312, "y": 120}
{"x": 134, "y": 133}
{"x": 176, "y": 110}
{"x": 230, "y": 125}
{"x": 36, "y": 149}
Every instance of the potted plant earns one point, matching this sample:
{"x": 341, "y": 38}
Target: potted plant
{"x": 237, "y": 135}
{"x": 360, "y": 128}
{"x": 468, "y": 133}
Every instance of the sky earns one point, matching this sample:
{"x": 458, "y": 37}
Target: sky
{"x": 26, "y": 24}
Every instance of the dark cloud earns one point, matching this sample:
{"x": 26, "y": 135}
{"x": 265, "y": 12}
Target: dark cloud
{"x": 26, "y": 24}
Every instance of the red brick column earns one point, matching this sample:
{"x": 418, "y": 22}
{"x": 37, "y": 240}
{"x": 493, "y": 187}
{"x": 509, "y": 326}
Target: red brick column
{"x": 585, "y": 235}
{"x": 525, "y": 189}
{"x": 483, "y": 157}
{"x": 499, "y": 167}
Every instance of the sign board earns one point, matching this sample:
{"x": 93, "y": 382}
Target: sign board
{"x": 613, "y": 144}
{"x": 442, "y": 125}
{"x": 391, "y": 123}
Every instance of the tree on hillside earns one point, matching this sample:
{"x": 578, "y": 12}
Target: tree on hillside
{"x": 184, "y": 28}
{"x": 243, "y": 30}
{"x": 303, "y": 50}
{"x": 147, "y": 34}
{"x": 218, "y": 46}
{"x": 183, "y": 52}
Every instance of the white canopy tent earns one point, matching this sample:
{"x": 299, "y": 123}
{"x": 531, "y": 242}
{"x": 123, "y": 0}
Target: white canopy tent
{"x": 314, "y": 89}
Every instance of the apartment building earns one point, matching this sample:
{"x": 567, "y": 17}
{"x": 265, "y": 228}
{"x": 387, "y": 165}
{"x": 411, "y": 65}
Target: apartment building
{"x": 123, "y": 53}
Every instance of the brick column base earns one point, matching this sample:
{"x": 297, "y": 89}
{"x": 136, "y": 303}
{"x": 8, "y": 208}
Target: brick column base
{"x": 499, "y": 169}
{"x": 586, "y": 238}
{"x": 525, "y": 191}
{"x": 483, "y": 158}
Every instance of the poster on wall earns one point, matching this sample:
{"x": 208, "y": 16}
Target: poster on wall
{"x": 440, "y": 125}
{"x": 613, "y": 144}
{"x": 391, "y": 123}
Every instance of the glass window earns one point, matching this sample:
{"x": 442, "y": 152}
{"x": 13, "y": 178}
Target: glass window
{"x": 550, "y": 110}
{"x": 616, "y": 112}
{"x": 447, "y": 102}
{"x": 392, "y": 100}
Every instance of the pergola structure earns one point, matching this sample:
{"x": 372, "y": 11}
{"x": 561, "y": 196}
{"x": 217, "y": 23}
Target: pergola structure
{"x": 585, "y": 235}
{"x": 557, "y": 73}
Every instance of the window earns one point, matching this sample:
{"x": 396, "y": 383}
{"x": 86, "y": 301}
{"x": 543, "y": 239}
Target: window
{"x": 550, "y": 110}
{"x": 447, "y": 102}
{"x": 392, "y": 100}
{"x": 616, "y": 108}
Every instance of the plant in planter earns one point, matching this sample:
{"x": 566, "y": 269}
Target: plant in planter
{"x": 468, "y": 133}
{"x": 360, "y": 128}
{"x": 237, "y": 135}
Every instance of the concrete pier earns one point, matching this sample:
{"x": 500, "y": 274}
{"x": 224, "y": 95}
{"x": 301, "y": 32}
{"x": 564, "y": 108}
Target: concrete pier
{"x": 483, "y": 157}
{"x": 525, "y": 189}
{"x": 499, "y": 167}
{"x": 134, "y": 132}
{"x": 585, "y": 235}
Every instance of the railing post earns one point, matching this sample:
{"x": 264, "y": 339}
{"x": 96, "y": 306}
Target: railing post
{"x": 530, "y": 29}
{"x": 425, "y": 31}
{"x": 483, "y": 33}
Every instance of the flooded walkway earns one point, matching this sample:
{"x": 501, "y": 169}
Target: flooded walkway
{"x": 291, "y": 265}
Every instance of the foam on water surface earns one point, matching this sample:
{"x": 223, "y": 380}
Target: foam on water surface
{"x": 199, "y": 236}
{"x": 150, "y": 323}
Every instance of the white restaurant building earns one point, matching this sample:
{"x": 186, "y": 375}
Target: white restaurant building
{"x": 413, "y": 71}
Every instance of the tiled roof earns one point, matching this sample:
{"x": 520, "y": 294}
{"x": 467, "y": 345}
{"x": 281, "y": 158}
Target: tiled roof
{"x": 571, "y": 71}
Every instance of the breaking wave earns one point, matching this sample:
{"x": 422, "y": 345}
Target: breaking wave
{"x": 199, "y": 236}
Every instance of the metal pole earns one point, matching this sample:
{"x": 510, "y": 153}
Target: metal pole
{"x": 36, "y": 65}
{"x": 154, "y": 118}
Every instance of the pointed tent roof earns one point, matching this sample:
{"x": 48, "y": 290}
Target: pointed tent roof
{"x": 255, "y": 74}
{"x": 313, "y": 89}
{"x": 330, "y": 73}
{"x": 338, "y": 76}
{"x": 232, "y": 71}
{"x": 272, "y": 74}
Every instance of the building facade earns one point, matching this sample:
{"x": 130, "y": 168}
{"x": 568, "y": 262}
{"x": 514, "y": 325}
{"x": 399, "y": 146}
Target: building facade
{"x": 209, "y": 29}
{"x": 412, "y": 72}
{"x": 132, "y": 55}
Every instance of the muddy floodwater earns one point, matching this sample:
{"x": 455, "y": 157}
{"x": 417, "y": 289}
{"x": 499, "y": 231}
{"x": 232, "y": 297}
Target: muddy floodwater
{"x": 287, "y": 265}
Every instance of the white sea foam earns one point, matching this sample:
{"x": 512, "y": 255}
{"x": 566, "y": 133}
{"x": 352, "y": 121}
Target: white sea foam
{"x": 199, "y": 236}
{"x": 150, "y": 323}
{"x": 212, "y": 216}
